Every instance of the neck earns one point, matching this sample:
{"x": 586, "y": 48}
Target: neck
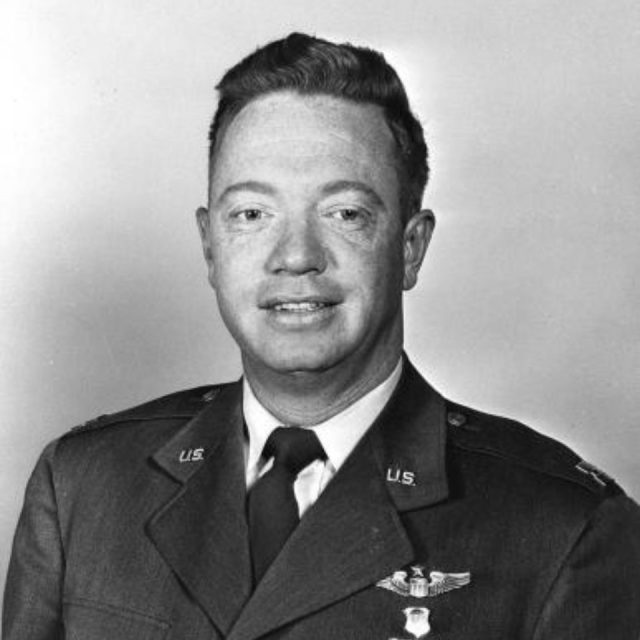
{"x": 311, "y": 397}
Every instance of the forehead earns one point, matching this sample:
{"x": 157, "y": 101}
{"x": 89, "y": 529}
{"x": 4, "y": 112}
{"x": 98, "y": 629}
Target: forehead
{"x": 307, "y": 136}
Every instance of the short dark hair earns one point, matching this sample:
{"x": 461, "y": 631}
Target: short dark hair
{"x": 312, "y": 66}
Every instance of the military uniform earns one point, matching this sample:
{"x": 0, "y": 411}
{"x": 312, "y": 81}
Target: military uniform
{"x": 443, "y": 523}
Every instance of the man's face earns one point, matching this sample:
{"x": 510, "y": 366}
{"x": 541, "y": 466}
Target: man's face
{"x": 303, "y": 236}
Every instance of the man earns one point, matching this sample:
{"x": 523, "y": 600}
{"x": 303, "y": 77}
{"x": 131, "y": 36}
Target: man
{"x": 331, "y": 493}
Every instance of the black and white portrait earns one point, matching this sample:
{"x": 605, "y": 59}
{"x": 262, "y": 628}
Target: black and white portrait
{"x": 213, "y": 227}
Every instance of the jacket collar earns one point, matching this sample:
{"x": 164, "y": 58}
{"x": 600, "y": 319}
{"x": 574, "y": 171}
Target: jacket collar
{"x": 201, "y": 532}
{"x": 409, "y": 440}
{"x": 350, "y": 538}
{"x": 199, "y": 440}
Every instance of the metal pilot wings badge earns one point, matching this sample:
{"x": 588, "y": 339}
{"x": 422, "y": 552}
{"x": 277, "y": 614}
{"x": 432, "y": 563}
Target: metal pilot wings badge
{"x": 417, "y": 586}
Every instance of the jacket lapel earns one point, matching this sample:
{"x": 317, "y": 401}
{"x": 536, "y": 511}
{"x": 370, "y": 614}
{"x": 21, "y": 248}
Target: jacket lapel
{"x": 353, "y": 536}
{"x": 201, "y": 532}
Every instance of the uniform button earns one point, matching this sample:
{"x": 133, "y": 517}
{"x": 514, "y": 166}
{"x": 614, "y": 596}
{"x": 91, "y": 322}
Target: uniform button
{"x": 456, "y": 419}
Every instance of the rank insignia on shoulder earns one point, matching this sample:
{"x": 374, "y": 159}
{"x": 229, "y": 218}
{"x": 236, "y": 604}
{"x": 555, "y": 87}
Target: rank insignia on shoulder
{"x": 417, "y": 586}
{"x": 596, "y": 474}
{"x": 210, "y": 395}
{"x": 90, "y": 424}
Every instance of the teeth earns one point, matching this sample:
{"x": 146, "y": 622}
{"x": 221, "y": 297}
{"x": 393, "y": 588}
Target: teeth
{"x": 298, "y": 307}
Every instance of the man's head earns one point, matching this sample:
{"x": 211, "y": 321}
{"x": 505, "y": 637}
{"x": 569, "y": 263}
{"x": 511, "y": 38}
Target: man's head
{"x": 312, "y": 66}
{"x": 313, "y": 227}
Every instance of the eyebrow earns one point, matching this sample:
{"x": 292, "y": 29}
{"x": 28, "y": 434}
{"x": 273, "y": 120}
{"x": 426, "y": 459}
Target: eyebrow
{"x": 339, "y": 186}
{"x": 329, "y": 189}
{"x": 248, "y": 185}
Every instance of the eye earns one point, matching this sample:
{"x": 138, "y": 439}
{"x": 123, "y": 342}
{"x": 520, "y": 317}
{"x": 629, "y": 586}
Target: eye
{"x": 349, "y": 214}
{"x": 249, "y": 215}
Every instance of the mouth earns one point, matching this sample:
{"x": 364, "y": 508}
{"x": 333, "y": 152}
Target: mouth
{"x": 300, "y": 307}
{"x": 300, "y": 312}
{"x": 298, "y": 303}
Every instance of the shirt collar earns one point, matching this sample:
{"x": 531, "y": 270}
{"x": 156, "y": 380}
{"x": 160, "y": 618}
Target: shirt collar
{"x": 338, "y": 435}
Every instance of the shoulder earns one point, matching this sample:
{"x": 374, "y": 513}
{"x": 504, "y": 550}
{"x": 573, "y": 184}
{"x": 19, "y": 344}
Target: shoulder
{"x": 181, "y": 405}
{"x": 138, "y": 430}
{"x": 120, "y": 445}
{"x": 502, "y": 441}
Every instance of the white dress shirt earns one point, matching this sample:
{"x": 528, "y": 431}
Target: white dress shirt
{"x": 339, "y": 435}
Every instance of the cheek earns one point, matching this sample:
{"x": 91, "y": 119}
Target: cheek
{"x": 383, "y": 265}
{"x": 376, "y": 282}
{"x": 233, "y": 263}
{"x": 232, "y": 289}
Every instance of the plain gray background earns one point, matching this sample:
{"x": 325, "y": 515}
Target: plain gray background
{"x": 529, "y": 301}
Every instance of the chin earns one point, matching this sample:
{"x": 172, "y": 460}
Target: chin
{"x": 297, "y": 358}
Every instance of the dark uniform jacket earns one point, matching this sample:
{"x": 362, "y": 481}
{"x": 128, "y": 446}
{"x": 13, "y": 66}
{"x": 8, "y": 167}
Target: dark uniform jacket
{"x": 444, "y": 523}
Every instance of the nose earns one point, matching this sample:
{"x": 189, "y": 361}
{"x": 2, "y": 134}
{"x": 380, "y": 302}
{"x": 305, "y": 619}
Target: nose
{"x": 299, "y": 249}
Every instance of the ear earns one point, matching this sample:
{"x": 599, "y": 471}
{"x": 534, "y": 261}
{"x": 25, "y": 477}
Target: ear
{"x": 204, "y": 228}
{"x": 417, "y": 234}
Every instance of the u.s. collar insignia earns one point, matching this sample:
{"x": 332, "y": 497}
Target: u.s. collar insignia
{"x": 191, "y": 455}
{"x": 417, "y": 586}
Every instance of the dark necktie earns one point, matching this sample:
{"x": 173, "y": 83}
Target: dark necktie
{"x": 272, "y": 506}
